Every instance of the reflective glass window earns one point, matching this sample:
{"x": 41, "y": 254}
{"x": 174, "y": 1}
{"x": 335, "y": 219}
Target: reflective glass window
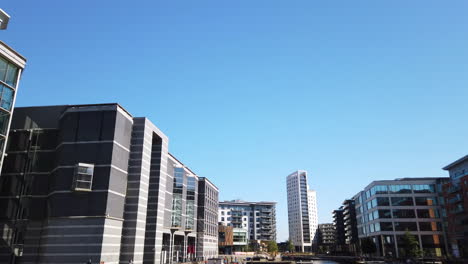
{"x": 425, "y": 200}
{"x": 430, "y": 226}
{"x": 4, "y": 122}
{"x": 399, "y": 188}
{"x": 383, "y": 201}
{"x": 428, "y": 213}
{"x": 377, "y": 227}
{"x": 11, "y": 74}
{"x": 403, "y": 213}
{"x": 405, "y": 226}
{"x": 6, "y": 99}
{"x": 402, "y": 201}
{"x": 385, "y": 214}
{"x": 386, "y": 226}
{"x": 379, "y": 189}
{"x": 424, "y": 188}
{"x": 3, "y": 68}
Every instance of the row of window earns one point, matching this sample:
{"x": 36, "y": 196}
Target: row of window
{"x": 400, "y": 226}
{"x": 400, "y": 188}
{"x": 399, "y": 213}
{"x": 8, "y": 72}
{"x": 399, "y": 201}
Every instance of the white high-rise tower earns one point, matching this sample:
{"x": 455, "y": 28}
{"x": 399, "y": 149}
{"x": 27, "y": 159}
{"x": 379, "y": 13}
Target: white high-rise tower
{"x": 302, "y": 211}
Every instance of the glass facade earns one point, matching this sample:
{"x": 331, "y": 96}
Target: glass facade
{"x": 8, "y": 81}
{"x": 190, "y": 207}
{"x": 386, "y": 210}
{"x": 178, "y": 190}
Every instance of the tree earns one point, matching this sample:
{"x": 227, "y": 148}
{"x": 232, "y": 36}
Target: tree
{"x": 368, "y": 246}
{"x": 410, "y": 245}
{"x": 272, "y": 247}
{"x": 289, "y": 246}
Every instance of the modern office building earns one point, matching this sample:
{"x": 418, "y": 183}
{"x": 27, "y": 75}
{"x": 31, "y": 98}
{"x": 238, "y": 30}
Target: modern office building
{"x": 258, "y": 218}
{"x": 326, "y": 237}
{"x": 302, "y": 211}
{"x": 91, "y": 182}
{"x": 207, "y": 230}
{"x": 11, "y": 67}
{"x": 456, "y": 204}
{"x": 387, "y": 209}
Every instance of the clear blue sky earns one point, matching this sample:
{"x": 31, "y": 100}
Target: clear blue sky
{"x": 249, "y": 91}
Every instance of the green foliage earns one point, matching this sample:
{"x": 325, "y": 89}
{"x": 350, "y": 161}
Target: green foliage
{"x": 368, "y": 246}
{"x": 272, "y": 247}
{"x": 410, "y": 246}
{"x": 248, "y": 248}
{"x": 289, "y": 246}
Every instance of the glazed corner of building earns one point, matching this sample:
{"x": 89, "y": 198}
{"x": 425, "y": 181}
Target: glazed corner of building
{"x": 12, "y": 55}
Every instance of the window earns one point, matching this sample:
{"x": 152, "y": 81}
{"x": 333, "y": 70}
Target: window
{"x": 8, "y": 72}
{"x": 430, "y": 226}
{"x": 427, "y": 213}
{"x": 400, "y": 188}
{"x": 426, "y": 201}
{"x": 83, "y": 179}
{"x": 383, "y": 201}
{"x": 6, "y": 97}
{"x": 402, "y": 201}
{"x": 423, "y": 188}
{"x": 402, "y": 213}
{"x": 405, "y": 226}
{"x": 385, "y": 214}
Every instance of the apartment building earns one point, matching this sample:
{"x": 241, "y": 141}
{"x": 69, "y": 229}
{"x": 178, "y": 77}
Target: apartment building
{"x": 92, "y": 182}
{"x": 387, "y": 209}
{"x": 302, "y": 212}
{"x": 258, "y": 218}
{"x": 325, "y": 237}
{"x": 455, "y": 193}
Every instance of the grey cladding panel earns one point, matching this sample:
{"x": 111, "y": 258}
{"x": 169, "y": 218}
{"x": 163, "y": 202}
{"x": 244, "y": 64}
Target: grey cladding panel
{"x": 78, "y": 204}
{"x": 31, "y": 117}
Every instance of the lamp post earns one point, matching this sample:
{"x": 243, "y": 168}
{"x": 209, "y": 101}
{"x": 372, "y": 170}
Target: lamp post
{"x": 171, "y": 244}
{"x": 186, "y": 232}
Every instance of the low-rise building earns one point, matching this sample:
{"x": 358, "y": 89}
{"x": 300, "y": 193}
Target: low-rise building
{"x": 387, "y": 209}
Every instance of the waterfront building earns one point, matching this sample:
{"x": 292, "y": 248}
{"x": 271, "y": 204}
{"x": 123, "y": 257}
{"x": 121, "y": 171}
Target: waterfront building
{"x": 302, "y": 212}
{"x": 11, "y": 67}
{"x": 456, "y": 203}
{"x": 340, "y": 236}
{"x": 350, "y": 226}
{"x": 258, "y": 218}
{"x": 232, "y": 239}
{"x": 93, "y": 182}
{"x": 207, "y": 230}
{"x": 325, "y": 237}
{"x": 387, "y": 209}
